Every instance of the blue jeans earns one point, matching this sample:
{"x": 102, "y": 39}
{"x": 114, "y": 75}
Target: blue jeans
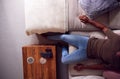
{"x": 80, "y": 42}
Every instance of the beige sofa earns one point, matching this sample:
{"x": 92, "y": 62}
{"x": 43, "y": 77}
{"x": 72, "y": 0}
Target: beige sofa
{"x": 110, "y": 19}
{"x": 43, "y": 16}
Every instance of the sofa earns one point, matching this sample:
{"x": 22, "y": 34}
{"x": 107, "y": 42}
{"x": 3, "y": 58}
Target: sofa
{"x": 110, "y": 19}
{"x": 43, "y": 16}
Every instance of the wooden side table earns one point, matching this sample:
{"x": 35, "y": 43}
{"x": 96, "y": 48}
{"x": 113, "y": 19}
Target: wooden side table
{"x": 38, "y": 62}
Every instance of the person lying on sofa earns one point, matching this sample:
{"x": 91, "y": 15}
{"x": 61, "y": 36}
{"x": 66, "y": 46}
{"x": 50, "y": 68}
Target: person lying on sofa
{"x": 109, "y": 72}
{"x": 107, "y": 50}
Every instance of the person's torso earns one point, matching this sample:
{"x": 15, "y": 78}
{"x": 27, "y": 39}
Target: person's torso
{"x": 104, "y": 49}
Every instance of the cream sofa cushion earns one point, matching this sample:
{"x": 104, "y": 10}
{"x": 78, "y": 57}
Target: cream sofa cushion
{"x": 114, "y": 19}
{"x": 97, "y": 34}
{"x": 87, "y": 62}
{"x": 43, "y": 16}
{"x": 75, "y": 24}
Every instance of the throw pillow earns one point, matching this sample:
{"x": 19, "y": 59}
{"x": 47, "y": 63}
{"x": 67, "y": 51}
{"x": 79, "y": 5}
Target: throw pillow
{"x": 94, "y": 8}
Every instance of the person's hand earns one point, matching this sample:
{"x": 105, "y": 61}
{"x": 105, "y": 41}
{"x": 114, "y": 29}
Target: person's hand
{"x": 78, "y": 67}
{"x": 84, "y": 19}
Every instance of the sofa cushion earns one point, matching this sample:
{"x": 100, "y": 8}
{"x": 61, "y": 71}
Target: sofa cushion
{"x": 75, "y": 24}
{"x": 96, "y": 34}
{"x": 85, "y": 72}
{"x": 114, "y": 19}
{"x": 43, "y": 16}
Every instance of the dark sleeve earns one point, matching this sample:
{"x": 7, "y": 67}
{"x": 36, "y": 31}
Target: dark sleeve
{"x": 110, "y": 34}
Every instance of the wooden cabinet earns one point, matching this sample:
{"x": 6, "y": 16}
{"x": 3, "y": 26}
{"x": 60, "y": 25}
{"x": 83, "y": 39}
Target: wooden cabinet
{"x": 37, "y": 67}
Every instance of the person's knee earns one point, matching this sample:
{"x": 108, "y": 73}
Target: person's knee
{"x": 63, "y": 36}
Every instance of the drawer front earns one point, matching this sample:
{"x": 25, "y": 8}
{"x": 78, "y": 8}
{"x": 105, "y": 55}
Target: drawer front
{"x": 33, "y": 66}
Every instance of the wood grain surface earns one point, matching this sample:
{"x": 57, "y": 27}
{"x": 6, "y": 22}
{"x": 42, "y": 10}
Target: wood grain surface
{"x": 36, "y": 70}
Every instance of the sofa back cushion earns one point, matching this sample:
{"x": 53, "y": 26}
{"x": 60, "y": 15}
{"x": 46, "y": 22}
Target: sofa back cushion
{"x": 114, "y": 19}
{"x": 75, "y": 10}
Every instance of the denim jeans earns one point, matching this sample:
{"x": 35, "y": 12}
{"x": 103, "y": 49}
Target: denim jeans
{"x": 80, "y": 42}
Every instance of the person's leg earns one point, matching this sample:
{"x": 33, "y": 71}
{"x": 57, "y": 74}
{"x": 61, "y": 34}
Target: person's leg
{"x": 64, "y": 51}
{"x": 75, "y": 57}
{"x": 75, "y": 40}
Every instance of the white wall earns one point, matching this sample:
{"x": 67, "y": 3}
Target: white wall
{"x": 12, "y": 38}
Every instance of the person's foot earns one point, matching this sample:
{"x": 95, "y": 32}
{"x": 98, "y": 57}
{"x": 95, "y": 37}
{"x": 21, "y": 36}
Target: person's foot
{"x": 64, "y": 51}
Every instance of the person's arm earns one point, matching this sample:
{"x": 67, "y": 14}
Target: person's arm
{"x": 85, "y": 19}
{"x": 98, "y": 25}
{"x": 93, "y": 67}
